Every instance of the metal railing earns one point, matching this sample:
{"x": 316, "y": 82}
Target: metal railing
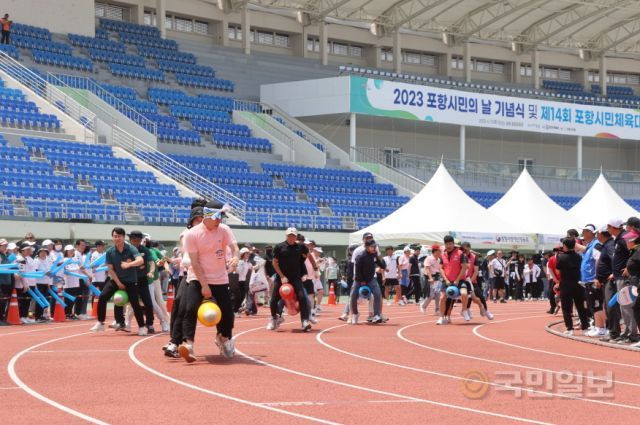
{"x": 257, "y": 112}
{"x": 304, "y": 132}
{"x": 371, "y": 160}
{"x": 85, "y": 83}
{"x": 59, "y": 100}
{"x": 177, "y": 171}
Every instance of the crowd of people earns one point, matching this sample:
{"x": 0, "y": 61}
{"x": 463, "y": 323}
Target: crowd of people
{"x": 585, "y": 272}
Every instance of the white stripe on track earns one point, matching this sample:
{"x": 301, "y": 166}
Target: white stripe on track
{"x": 381, "y": 392}
{"x": 553, "y": 353}
{"x": 137, "y": 361}
{"x": 460, "y": 378}
{"x": 11, "y": 369}
{"x": 501, "y": 363}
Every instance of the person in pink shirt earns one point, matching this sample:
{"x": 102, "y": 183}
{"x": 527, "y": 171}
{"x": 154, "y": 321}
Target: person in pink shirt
{"x": 207, "y": 278}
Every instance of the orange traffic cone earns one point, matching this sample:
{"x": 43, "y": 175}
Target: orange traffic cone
{"x": 13, "y": 316}
{"x": 58, "y": 314}
{"x": 94, "y": 307}
{"x": 398, "y": 292}
{"x": 170, "y": 298}
{"x": 332, "y": 296}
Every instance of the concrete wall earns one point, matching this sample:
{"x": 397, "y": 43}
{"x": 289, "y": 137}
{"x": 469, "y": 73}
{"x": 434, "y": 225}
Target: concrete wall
{"x": 331, "y": 95}
{"x": 59, "y": 16}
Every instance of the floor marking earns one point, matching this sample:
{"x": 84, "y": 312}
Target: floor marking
{"x": 609, "y": 362}
{"x": 11, "y": 369}
{"x": 400, "y": 335}
{"x": 78, "y": 351}
{"x": 133, "y": 357}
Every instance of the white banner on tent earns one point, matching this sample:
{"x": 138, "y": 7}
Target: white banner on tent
{"x": 493, "y": 239}
{"x": 411, "y": 101}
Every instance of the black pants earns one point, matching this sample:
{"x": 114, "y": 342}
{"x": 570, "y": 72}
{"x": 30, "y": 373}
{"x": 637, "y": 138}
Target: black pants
{"x": 5, "y": 297}
{"x": 5, "y": 37}
{"x": 570, "y": 293}
{"x": 416, "y": 287}
{"x": 240, "y": 295}
{"x": 613, "y": 313}
{"x": 190, "y": 302}
{"x": 636, "y": 310}
{"x": 72, "y": 307}
{"x": 519, "y": 295}
{"x": 44, "y": 290}
{"x": 301, "y": 294}
{"x": 110, "y": 288}
{"x": 176, "y": 331}
{"x": 145, "y": 296}
{"x": 477, "y": 290}
{"x": 84, "y": 297}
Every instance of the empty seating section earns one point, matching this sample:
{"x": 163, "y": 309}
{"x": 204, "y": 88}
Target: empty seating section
{"x": 136, "y": 72}
{"x": 18, "y": 29}
{"x": 143, "y": 106}
{"x": 40, "y": 44}
{"x": 141, "y": 40}
{"x": 178, "y": 135}
{"x": 204, "y": 82}
{"x": 355, "y": 199}
{"x": 619, "y": 90}
{"x": 178, "y": 97}
{"x": 205, "y": 126}
{"x": 163, "y": 120}
{"x": 255, "y": 144}
{"x": 170, "y": 66}
{"x": 10, "y": 50}
{"x": 96, "y": 43}
{"x": 115, "y": 57}
{"x": 102, "y": 33}
{"x": 121, "y": 26}
{"x": 125, "y": 93}
{"x": 65, "y": 61}
{"x": 188, "y": 112}
{"x": 285, "y": 170}
{"x": 16, "y": 111}
{"x": 169, "y": 55}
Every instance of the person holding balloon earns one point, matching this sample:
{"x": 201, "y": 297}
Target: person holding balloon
{"x": 207, "y": 278}
{"x": 365, "y": 276}
{"x": 122, "y": 260}
{"x": 454, "y": 265}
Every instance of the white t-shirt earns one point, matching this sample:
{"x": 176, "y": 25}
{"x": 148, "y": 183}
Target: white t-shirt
{"x": 243, "y": 270}
{"x": 403, "y": 261}
{"x": 71, "y": 281}
{"x": 311, "y": 274}
{"x": 44, "y": 265}
{"x": 30, "y": 266}
{"x": 498, "y": 264}
{"x": 531, "y": 274}
{"x": 433, "y": 264}
{"x": 391, "y": 272}
{"x": 97, "y": 276}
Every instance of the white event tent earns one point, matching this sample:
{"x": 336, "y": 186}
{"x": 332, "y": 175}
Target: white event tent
{"x": 442, "y": 208}
{"x": 600, "y": 204}
{"x": 528, "y": 208}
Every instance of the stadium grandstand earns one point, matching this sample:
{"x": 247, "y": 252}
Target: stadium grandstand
{"x": 121, "y": 113}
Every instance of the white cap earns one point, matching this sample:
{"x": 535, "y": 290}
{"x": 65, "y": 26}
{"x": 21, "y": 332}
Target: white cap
{"x": 589, "y": 227}
{"x": 47, "y": 242}
{"x": 616, "y": 222}
{"x": 69, "y": 248}
{"x": 603, "y": 228}
{"x": 407, "y": 248}
{"x": 319, "y": 249}
{"x": 491, "y": 252}
{"x": 244, "y": 251}
{"x": 12, "y": 245}
{"x": 291, "y": 231}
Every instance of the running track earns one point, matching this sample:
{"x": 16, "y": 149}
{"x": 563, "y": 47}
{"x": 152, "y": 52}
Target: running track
{"x": 408, "y": 371}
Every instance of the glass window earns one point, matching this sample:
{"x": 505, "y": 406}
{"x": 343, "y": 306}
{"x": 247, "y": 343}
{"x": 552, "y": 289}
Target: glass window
{"x": 281, "y": 40}
{"x": 99, "y": 9}
{"x": 386, "y": 55}
{"x": 168, "y": 22}
{"x": 550, "y": 73}
{"x": 201, "y": 27}
{"x": 564, "y": 74}
{"x": 184, "y": 24}
{"x": 428, "y": 60}
{"x": 340, "y": 49}
{"x": 525, "y": 70}
{"x": 148, "y": 19}
{"x": 265, "y": 37}
{"x": 355, "y": 51}
{"x": 410, "y": 57}
{"x": 498, "y": 68}
{"x": 482, "y": 66}
{"x": 633, "y": 79}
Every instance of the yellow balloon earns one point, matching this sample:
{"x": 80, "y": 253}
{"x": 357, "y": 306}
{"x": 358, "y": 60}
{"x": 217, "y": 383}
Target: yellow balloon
{"x": 209, "y": 314}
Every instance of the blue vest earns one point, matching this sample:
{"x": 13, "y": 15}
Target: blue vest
{"x": 588, "y": 266}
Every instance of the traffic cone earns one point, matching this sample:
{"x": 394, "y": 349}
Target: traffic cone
{"x": 398, "y": 292}
{"x": 58, "y": 314}
{"x": 332, "y": 296}
{"x": 13, "y": 316}
{"x": 94, "y": 307}
{"x": 170, "y": 298}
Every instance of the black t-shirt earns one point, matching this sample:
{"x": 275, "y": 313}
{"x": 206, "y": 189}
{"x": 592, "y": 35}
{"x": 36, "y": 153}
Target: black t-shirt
{"x": 144, "y": 269}
{"x": 633, "y": 264}
{"x": 568, "y": 264}
{"x": 414, "y": 269}
{"x": 620, "y": 255}
{"x": 291, "y": 259}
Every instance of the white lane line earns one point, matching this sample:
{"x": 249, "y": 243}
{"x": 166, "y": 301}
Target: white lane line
{"x": 466, "y": 379}
{"x": 553, "y": 353}
{"x": 381, "y": 392}
{"x": 331, "y": 403}
{"x": 11, "y": 369}
{"x": 137, "y": 361}
{"x": 501, "y": 363}
{"x": 42, "y": 329}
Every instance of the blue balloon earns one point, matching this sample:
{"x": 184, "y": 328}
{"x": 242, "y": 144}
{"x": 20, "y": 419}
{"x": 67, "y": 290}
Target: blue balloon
{"x": 453, "y": 292}
{"x": 364, "y": 291}
{"x": 344, "y": 284}
{"x": 12, "y": 258}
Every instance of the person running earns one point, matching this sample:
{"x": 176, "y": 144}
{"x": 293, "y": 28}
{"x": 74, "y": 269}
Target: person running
{"x": 405, "y": 282}
{"x": 155, "y": 285}
{"x": 365, "y": 275}
{"x": 568, "y": 264}
{"x": 455, "y": 264}
{"x": 433, "y": 272}
{"x": 145, "y": 273}
{"x": 122, "y": 259}
{"x": 472, "y": 277}
{"x": 288, "y": 262}
{"x": 207, "y": 278}
{"x": 414, "y": 274}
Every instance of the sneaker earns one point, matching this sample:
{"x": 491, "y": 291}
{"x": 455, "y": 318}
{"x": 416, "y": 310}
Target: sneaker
{"x": 482, "y": 312}
{"x": 114, "y": 325}
{"x": 568, "y": 332}
{"x": 422, "y": 309}
{"x": 503, "y": 301}
{"x": 143, "y": 331}
{"x": 343, "y": 317}
{"x": 151, "y": 330}
{"x": 30, "y": 321}
{"x": 169, "y": 346}
{"x": 173, "y": 353}
{"x": 227, "y": 347}
{"x": 625, "y": 340}
{"x": 122, "y": 328}
{"x": 306, "y": 326}
{"x": 272, "y": 325}
{"x": 354, "y": 319}
{"x": 127, "y": 328}
{"x": 312, "y": 319}
{"x": 186, "y": 352}
{"x": 470, "y": 314}
{"x": 636, "y": 345}
{"x": 442, "y": 321}
{"x": 402, "y": 302}
{"x": 384, "y": 318}
{"x": 465, "y": 314}
{"x": 279, "y": 321}
{"x": 318, "y": 309}
{"x": 489, "y": 315}
{"x": 592, "y": 333}
{"x": 607, "y": 338}
{"x": 23, "y": 320}
{"x": 389, "y": 303}
{"x": 165, "y": 326}
{"x": 98, "y": 327}
{"x": 376, "y": 319}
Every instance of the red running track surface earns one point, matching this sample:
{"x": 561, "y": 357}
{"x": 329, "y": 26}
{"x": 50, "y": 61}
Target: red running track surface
{"x": 407, "y": 371}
